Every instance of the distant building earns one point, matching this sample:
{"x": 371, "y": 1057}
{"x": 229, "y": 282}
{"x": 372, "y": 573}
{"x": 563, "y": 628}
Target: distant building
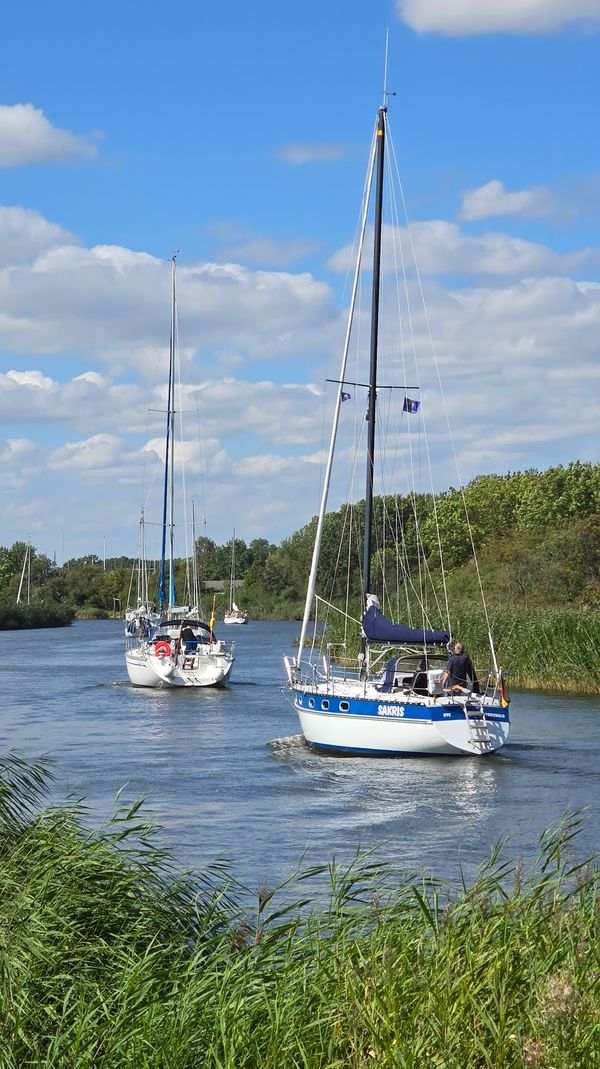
{"x": 221, "y": 584}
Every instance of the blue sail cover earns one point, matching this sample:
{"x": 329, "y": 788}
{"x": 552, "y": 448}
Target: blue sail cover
{"x": 378, "y": 628}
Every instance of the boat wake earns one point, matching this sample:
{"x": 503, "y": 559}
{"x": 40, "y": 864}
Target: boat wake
{"x": 288, "y": 746}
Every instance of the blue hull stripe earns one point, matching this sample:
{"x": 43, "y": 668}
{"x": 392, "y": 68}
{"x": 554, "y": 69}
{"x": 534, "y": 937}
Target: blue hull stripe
{"x": 386, "y": 710}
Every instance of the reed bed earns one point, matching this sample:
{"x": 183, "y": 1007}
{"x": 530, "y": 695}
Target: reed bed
{"x": 111, "y": 959}
{"x": 541, "y": 649}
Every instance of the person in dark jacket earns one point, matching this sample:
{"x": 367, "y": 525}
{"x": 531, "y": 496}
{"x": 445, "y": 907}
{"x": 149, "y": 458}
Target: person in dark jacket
{"x": 459, "y": 674}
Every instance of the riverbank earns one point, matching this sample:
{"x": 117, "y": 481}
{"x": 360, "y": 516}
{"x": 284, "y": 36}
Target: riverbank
{"x": 24, "y": 616}
{"x": 112, "y": 959}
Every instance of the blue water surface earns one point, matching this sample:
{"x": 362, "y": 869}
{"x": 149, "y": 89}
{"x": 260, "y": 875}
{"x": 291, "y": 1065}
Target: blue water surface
{"x": 228, "y": 776}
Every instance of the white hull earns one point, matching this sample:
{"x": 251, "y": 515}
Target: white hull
{"x": 206, "y": 669}
{"x": 400, "y": 738}
{"x": 234, "y": 618}
{"x": 358, "y": 719}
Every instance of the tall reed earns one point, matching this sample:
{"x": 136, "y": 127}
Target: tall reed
{"x": 109, "y": 958}
{"x": 540, "y": 648}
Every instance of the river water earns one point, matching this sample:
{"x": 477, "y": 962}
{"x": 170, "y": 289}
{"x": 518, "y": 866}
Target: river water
{"x": 228, "y": 776}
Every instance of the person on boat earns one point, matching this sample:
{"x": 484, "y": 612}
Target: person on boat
{"x": 188, "y": 639}
{"x": 459, "y": 674}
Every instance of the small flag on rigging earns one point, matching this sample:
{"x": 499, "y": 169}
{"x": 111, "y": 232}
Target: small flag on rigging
{"x": 410, "y": 405}
{"x": 346, "y": 396}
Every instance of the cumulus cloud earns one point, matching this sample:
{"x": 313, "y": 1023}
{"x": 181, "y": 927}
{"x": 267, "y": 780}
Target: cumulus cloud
{"x": 519, "y": 346}
{"x": 492, "y": 199}
{"x": 114, "y": 303}
{"x": 26, "y": 136}
{"x": 98, "y": 454}
{"x": 441, "y": 248}
{"x": 298, "y": 155}
{"x": 463, "y": 17}
{"x": 24, "y": 235}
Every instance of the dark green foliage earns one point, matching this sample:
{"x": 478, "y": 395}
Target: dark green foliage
{"x": 45, "y": 613}
{"x": 110, "y": 959}
{"x": 537, "y": 536}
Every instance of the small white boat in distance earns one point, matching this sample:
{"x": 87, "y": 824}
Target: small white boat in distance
{"x": 234, "y": 615}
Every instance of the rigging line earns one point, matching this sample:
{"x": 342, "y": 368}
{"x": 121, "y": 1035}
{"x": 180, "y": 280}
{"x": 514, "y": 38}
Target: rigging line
{"x": 398, "y": 251}
{"x": 425, "y": 432}
{"x": 183, "y": 461}
{"x": 334, "y": 430}
{"x": 341, "y": 612}
{"x": 451, "y": 437}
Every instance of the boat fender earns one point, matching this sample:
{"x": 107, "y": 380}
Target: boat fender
{"x": 162, "y": 649}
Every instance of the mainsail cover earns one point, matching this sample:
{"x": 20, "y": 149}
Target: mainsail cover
{"x": 377, "y": 628}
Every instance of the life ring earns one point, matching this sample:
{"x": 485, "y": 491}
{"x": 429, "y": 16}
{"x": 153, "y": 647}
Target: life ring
{"x": 162, "y": 649}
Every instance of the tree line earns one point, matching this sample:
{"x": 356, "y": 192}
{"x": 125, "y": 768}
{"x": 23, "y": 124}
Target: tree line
{"x": 537, "y": 537}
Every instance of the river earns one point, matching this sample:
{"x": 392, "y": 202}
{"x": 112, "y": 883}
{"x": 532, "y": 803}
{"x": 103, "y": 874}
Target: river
{"x": 228, "y": 776}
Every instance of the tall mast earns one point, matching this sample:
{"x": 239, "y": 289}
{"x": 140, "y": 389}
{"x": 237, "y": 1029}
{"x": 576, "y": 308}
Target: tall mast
{"x": 167, "y": 517}
{"x": 231, "y": 581}
{"x": 374, "y": 340}
{"x": 172, "y": 423}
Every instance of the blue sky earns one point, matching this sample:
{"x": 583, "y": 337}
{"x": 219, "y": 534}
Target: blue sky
{"x": 238, "y": 135}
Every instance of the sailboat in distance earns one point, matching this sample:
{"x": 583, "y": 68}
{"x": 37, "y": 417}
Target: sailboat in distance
{"x": 366, "y": 684}
{"x": 177, "y": 648}
{"x": 234, "y": 614}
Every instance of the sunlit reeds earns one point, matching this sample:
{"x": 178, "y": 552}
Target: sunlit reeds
{"x": 540, "y": 648}
{"x": 110, "y": 959}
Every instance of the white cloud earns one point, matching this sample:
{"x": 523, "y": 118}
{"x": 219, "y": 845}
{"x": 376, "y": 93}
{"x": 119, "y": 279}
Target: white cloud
{"x": 442, "y": 249}
{"x": 492, "y": 199}
{"x": 298, "y": 155}
{"x": 26, "y": 136}
{"x": 113, "y": 303}
{"x": 518, "y": 355}
{"x": 95, "y": 454}
{"x": 31, "y": 378}
{"x": 463, "y": 17}
{"x": 16, "y": 449}
{"x": 24, "y": 235}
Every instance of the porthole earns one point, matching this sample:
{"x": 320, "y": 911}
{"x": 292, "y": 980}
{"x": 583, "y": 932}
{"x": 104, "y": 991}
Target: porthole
{"x": 344, "y": 706}
{"x": 311, "y": 703}
{"x": 325, "y": 703}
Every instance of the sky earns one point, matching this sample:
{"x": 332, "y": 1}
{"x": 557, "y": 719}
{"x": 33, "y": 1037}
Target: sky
{"x": 238, "y": 136}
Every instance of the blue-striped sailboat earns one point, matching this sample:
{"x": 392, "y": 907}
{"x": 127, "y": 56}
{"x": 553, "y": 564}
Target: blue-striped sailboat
{"x": 387, "y": 692}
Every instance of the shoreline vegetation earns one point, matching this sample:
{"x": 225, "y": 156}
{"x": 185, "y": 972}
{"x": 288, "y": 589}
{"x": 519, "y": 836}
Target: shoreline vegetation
{"x": 537, "y": 538}
{"x": 111, "y": 957}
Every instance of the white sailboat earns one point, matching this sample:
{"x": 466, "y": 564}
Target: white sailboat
{"x": 142, "y": 616}
{"x": 175, "y": 647}
{"x": 234, "y": 615}
{"x": 382, "y": 693}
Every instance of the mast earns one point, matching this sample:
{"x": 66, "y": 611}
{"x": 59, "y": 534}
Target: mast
{"x": 168, "y": 469}
{"x": 172, "y": 419}
{"x": 373, "y": 363}
{"x": 232, "y": 578}
{"x": 195, "y": 583}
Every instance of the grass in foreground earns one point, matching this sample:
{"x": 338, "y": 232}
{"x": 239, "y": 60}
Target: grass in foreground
{"x": 109, "y": 959}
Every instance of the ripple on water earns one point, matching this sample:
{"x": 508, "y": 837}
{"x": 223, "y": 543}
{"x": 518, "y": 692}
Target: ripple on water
{"x": 229, "y": 775}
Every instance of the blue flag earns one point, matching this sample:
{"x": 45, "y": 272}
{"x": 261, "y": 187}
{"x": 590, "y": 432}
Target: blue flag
{"x": 410, "y": 405}
{"x": 346, "y": 396}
